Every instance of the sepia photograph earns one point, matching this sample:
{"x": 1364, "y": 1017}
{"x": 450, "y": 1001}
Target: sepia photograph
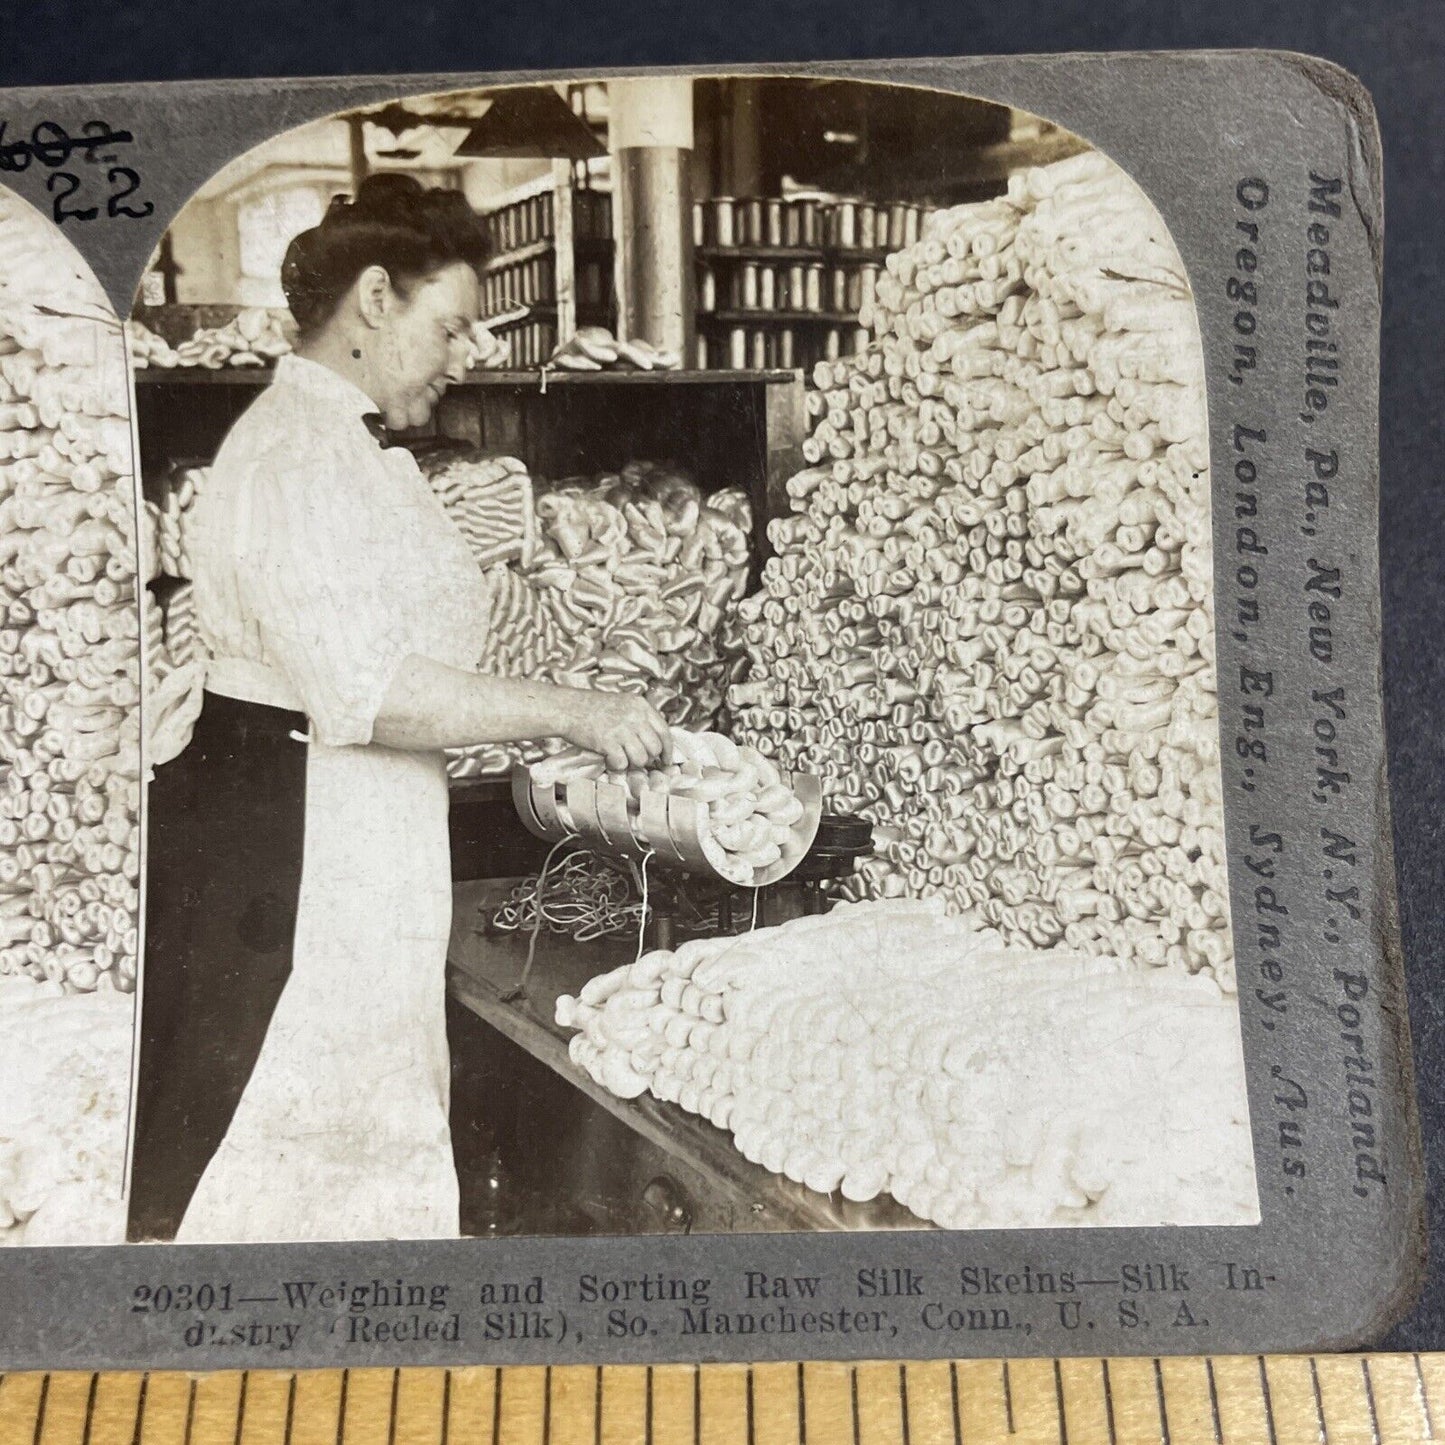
{"x": 609, "y": 658}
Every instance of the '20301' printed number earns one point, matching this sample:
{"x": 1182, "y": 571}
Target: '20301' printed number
{"x": 162, "y": 1299}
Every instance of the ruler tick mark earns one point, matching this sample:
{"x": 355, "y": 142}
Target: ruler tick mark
{"x": 697, "y": 1405}
{"x": 1213, "y": 1401}
{"x": 1424, "y": 1398}
{"x": 241, "y": 1405}
{"x": 90, "y": 1408}
{"x": 802, "y": 1409}
{"x": 1059, "y": 1403}
{"x": 1109, "y": 1401}
{"x": 853, "y": 1377}
{"x": 341, "y": 1408}
{"x": 752, "y": 1424}
{"x": 546, "y": 1405}
{"x": 903, "y": 1400}
{"x": 447, "y": 1407}
{"x": 497, "y": 1406}
{"x": 1008, "y": 1398}
{"x": 1163, "y": 1408}
{"x": 1370, "y": 1399}
{"x": 290, "y": 1407}
{"x": 647, "y": 1405}
{"x": 140, "y": 1408}
{"x": 1268, "y": 1401}
{"x": 191, "y": 1412}
{"x": 1320, "y": 1425}
{"x": 391, "y": 1419}
{"x": 40, "y": 1413}
{"x": 953, "y": 1388}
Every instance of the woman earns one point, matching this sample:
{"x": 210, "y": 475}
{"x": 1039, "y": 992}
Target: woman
{"x": 293, "y": 1080}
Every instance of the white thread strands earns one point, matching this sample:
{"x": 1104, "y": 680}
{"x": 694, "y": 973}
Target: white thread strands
{"x": 878, "y": 1048}
{"x": 69, "y": 643}
{"x": 989, "y": 623}
{"x": 630, "y": 587}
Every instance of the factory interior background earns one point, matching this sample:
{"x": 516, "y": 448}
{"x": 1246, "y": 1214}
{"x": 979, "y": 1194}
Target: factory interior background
{"x": 862, "y": 429}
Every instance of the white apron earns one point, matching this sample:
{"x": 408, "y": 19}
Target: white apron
{"x": 342, "y": 1131}
{"x": 321, "y": 561}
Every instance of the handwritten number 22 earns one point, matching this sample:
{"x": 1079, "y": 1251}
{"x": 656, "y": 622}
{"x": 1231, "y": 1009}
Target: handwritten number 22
{"x": 62, "y": 185}
{"x": 113, "y": 205}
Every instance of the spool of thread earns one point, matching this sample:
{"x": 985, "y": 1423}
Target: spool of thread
{"x": 752, "y": 231}
{"x": 867, "y": 226}
{"x": 813, "y": 289}
{"x": 724, "y": 232}
{"x": 773, "y": 221}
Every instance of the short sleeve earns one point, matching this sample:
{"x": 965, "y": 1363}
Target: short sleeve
{"x": 315, "y": 576}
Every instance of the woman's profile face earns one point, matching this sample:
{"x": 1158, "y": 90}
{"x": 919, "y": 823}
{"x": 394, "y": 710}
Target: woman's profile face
{"x": 425, "y": 343}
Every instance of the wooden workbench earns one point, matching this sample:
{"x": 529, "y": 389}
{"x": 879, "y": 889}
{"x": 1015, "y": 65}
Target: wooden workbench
{"x": 485, "y": 970}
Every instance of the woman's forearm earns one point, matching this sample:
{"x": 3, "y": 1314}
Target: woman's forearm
{"x": 430, "y": 705}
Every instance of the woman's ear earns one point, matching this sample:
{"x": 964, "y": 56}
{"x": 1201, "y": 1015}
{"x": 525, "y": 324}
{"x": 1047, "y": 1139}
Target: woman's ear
{"x": 373, "y": 294}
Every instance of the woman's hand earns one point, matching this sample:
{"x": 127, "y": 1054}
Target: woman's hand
{"x": 626, "y": 730}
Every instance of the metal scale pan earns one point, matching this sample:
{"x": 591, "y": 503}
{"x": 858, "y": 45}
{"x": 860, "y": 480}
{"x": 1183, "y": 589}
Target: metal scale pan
{"x": 604, "y": 817}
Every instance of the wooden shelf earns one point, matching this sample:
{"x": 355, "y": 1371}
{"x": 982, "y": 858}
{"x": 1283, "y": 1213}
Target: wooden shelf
{"x": 780, "y": 318}
{"x": 818, "y": 255}
{"x": 761, "y": 253}
{"x": 242, "y": 376}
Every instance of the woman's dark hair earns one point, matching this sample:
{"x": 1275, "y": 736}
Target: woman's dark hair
{"x": 393, "y": 221}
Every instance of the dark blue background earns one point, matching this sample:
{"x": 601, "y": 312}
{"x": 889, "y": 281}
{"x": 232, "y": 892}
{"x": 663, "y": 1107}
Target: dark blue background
{"x": 1397, "y": 49}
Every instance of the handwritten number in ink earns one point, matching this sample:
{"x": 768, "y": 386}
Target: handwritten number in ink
{"x": 113, "y": 205}
{"x": 62, "y": 185}
{"x": 50, "y": 144}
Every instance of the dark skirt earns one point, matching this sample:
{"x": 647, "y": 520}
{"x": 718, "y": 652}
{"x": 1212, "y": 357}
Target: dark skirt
{"x": 225, "y": 828}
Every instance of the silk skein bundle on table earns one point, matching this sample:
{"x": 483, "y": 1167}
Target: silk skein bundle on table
{"x": 989, "y": 625}
{"x": 147, "y": 349}
{"x": 254, "y": 337}
{"x": 885, "y": 1047}
{"x": 69, "y": 637}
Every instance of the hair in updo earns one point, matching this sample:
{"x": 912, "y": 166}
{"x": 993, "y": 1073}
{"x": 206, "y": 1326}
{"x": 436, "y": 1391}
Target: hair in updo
{"x": 394, "y": 222}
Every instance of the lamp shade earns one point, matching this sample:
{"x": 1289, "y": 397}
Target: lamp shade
{"x": 533, "y": 121}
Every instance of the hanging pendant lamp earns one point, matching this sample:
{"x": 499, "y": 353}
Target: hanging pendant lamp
{"x": 531, "y": 121}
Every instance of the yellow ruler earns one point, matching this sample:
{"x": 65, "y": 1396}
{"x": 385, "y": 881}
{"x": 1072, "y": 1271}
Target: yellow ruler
{"x": 1274, "y": 1399}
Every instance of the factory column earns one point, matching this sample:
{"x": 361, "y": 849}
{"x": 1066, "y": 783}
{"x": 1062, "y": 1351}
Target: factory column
{"x": 650, "y": 131}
